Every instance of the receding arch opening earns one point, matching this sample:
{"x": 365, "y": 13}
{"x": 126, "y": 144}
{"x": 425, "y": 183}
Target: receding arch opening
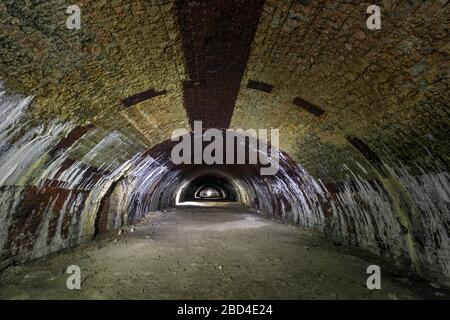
{"x": 210, "y": 192}
{"x": 207, "y": 188}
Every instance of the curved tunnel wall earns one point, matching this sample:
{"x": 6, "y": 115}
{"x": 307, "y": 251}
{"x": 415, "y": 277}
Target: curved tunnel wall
{"x": 54, "y": 202}
{"x": 372, "y": 171}
{"x": 226, "y": 191}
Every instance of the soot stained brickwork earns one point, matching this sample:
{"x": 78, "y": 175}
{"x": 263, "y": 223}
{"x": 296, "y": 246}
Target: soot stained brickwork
{"x": 70, "y": 139}
{"x": 387, "y": 192}
{"x": 142, "y": 96}
{"x": 216, "y": 37}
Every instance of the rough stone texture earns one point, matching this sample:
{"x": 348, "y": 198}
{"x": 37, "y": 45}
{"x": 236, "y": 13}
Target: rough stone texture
{"x": 372, "y": 171}
{"x": 82, "y": 75}
{"x": 180, "y": 254}
{"x": 387, "y": 87}
{"x": 216, "y": 49}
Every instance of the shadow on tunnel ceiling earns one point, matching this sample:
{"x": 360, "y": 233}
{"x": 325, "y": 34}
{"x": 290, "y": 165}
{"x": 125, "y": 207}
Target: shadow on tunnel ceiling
{"x": 94, "y": 95}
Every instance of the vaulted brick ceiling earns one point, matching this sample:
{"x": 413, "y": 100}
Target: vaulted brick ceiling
{"x": 350, "y": 104}
{"x": 386, "y": 87}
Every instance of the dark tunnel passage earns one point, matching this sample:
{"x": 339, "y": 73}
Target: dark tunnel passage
{"x": 207, "y": 188}
{"x": 272, "y": 138}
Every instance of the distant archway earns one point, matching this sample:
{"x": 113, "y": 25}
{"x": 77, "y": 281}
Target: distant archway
{"x": 208, "y": 187}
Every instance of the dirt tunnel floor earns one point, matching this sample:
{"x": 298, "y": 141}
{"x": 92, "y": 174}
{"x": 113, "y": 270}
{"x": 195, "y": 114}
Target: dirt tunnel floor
{"x": 208, "y": 254}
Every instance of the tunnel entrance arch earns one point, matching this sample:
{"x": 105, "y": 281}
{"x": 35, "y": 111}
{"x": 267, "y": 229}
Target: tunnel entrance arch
{"x": 208, "y": 187}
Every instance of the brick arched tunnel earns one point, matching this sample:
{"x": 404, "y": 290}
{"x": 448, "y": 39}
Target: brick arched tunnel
{"x": 87, "y": 175}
